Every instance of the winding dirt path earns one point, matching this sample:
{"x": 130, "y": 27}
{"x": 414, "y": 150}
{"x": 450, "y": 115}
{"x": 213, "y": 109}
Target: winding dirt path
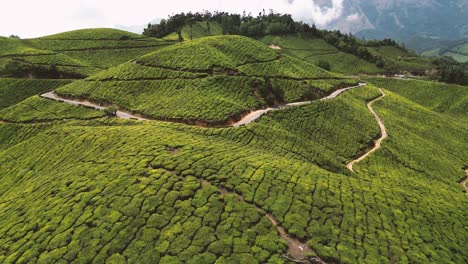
{"x": 297, "y": 250}
{"x": 383, "y": 132}
{"x": 119, "y": 113}
{"x": 247, "y": 119}
{"x": 254, "y": 115}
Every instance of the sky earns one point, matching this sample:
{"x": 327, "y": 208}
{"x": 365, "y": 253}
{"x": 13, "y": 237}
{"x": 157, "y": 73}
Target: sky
{"x": 34, "y": 18}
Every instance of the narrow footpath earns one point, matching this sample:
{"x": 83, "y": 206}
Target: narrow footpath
{"x": 119, "y": 113}
{"x": 254, "y": 115}
{"x": 247, "y": 119}
{"x": 383, "y": 133}
{"x": 297, "y": 251}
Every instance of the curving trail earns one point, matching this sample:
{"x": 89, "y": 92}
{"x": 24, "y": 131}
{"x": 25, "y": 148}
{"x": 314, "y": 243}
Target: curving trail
{"x": 254, "y": 115}
{"x": 383, "y": 133}
{"x": 297, "y": 251}
{"x": 119, "y": 113}
{"x": 247, "y": 119}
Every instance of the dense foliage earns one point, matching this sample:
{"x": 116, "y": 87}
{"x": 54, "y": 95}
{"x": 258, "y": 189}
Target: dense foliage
{"x": 73, "y": 54}
{"x": 265, "y": 24}
{"x": 13, "y": 91}
{"x": 36, "y": 109}
{"x": 82, "y": 186}
{"x": 234, "y": 24}
{"x": 451, "y": 71}
{"x": 117, "y": 191}
{"x": 214, "y": 80}
{"x": 443, "y": 98}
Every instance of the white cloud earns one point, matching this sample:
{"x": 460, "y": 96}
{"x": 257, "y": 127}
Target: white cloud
{"x": 310, "y": 11}
{"x": 353, "y": 18}
{"x": 32, "y": 18}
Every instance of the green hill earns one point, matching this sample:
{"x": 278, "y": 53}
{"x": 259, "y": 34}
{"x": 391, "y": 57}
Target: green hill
{"x": 37, "y": 109}
{"x": 13, "y": 91}
{"x": 110, "y": 190}
{"x": 214, "y": 80}
{"x": 94, "y": 33}
{"x": 76, "y": 53}
{"x": 458, "y": 50}
{"x": 314, "y": 50}
{"x": 440, "y": 97}
{"x": 201, "y": 29}
{"x": 183, "y": 186}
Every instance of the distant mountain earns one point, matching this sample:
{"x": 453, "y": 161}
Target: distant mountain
{"x": 414, "y": 22}
{"x": 457, "y": 49}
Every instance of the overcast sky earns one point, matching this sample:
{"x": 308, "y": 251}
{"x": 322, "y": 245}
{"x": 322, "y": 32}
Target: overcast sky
{"x": 34, "y": 18}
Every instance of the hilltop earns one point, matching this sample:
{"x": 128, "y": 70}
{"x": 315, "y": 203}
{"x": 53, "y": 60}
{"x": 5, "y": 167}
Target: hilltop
{"x": 214, "y": 80}
{"x": 333, "y": 49}
{"x": 73, "y": 54}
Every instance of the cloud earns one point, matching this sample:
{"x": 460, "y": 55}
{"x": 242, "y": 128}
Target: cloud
{"x": 310, "y": 11}
{"x": 28, "y": 18}
{"x": 353, "y": 18}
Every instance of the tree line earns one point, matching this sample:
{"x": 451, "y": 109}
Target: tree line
{"x": 451, "y": 71}
{"x": 272, "y": 23}
{"x": 258, "y": 26}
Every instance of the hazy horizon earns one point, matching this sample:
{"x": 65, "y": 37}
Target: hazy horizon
{"x": 54, "y": 16}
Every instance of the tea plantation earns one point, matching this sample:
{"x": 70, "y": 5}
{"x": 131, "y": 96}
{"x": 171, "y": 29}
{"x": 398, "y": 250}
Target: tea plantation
{"x": 444, "y": 98}
{"x": 76, "y": 53}
{"x": 214, "y": 79}
{"x": 13, "y": 91}
{"x": 80, "y": 185}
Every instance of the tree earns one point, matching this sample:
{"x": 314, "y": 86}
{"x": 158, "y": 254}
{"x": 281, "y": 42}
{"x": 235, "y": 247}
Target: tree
{"x": 324, "y": 65}
{"x": 111, "y": 110}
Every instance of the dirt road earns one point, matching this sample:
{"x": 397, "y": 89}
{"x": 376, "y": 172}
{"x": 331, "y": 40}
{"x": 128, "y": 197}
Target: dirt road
{"x": 383, "y": 133}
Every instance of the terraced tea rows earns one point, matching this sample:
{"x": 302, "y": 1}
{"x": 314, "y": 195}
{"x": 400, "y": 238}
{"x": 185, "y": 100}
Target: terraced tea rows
{"x": 352, "y": 219}
{"x": 215, "y": 81}
{"x": 36, "y": 109}
{"x": 315, "y": 50}
{"x": 443, "y": 98}
{"x": 13, "y": 91}
{"x": 78, "y": 186}
{"x": 81, "y": 52}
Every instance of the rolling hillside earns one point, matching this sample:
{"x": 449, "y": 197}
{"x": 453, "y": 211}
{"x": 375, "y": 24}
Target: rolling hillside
{"x": 214, "y": 80}
{"x": 341, "y": 51}
{"x": 76, "y": 53}
{"x": 182, "y": 185}
{"x": 458, "y": 50}
{"x": 170, "y": 193}
{"x": 314, "y": 50}
{"x": 443, "y": 98}
{"x": 13, "y": 91}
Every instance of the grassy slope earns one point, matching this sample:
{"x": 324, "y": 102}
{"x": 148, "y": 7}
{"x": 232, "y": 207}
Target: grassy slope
{"x": 213, "y": 79}
{"x": 13, "y": 91}
{"x": 397, "y": 59}
{"x": 443, "y": 98}
{"x": 312, "y": 131}
{"x": 312, "y": 50}
{"x": 85, "y": 51}
{"x": 144, "y": 204}
{"x": 39, "y": 109}
{"x": 459, "y": 52}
